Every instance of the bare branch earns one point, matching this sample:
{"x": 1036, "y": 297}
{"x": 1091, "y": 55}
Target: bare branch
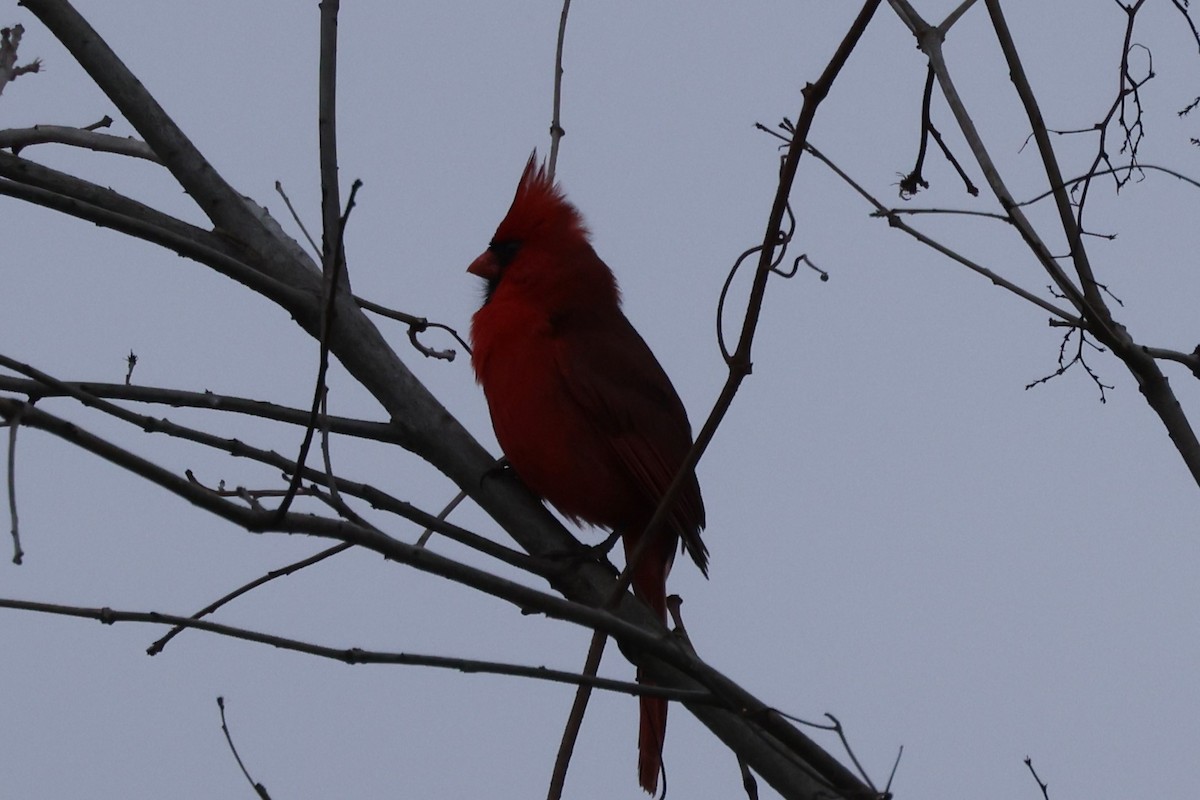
{"x": 18, "y": 138}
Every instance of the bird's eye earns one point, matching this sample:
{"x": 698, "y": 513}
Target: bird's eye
{"x": 504, "y": 251}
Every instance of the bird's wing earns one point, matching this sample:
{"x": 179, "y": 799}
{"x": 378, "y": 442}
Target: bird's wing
{"x": 624, "y": 392}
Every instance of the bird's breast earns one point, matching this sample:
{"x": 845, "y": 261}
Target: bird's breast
{"x": 544, "y": 433}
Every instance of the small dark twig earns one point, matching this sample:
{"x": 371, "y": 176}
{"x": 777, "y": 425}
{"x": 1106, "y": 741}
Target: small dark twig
{"x": 416, "y": 325}
{"x": 971, "y": 188}
{"x": 786, "y": 141}
{"x": 258, "y": 787}
{"x": 914, "y": 181}
{"x": 804, "y": 257}
{"x": 726, "y": 353}
{"x": 287, "y": 201}
{"x": 835, "y": 726}
{"x": 887, "y": 789}
{"x": 1078, "y": 358}
{"x": 13, "y": 424}
{"x": 1041, "y": 784}
{"x": 841, "y": 734}
{"x": 1182, "y": 5}
{"x": 445, "y": 512}
{"x": 130, "y": 362}
{"x": 158, "y": 646}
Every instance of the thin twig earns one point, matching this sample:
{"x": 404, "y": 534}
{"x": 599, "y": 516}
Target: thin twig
{"x": 1041, "y": 784}
{"x": 158, "y": 645}
{"x": 570, "y": 735}
{"x": 259, "y": 789}
{"x": 841, "y": 734}
{"x": 287, "y": 201}
{"x": 556, "y": 128}
{"x": 445, "y": 512}
{"x": 13, "y": 424}
{"x": 887, "y": 789}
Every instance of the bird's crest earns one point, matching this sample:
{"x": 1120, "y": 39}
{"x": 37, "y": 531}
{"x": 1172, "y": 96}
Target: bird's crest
{"x": 539, "y": 209}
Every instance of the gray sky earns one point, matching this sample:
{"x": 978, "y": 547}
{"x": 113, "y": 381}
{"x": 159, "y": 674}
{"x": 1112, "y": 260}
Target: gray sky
{"x": 901, "y": 535}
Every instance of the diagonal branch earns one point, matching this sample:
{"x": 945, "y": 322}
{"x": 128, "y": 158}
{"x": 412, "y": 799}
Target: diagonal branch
{"x": 184, "y": 245}
{"x": 220, "y": 202}
{"x": 1151, "y": 381}
{"x": 893, "y": 218}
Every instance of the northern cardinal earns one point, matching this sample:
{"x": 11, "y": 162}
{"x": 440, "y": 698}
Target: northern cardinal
{"x": 581, "y": 408}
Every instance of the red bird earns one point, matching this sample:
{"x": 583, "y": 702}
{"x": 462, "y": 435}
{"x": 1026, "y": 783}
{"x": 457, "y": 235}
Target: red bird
{"x": 582, "y": 409}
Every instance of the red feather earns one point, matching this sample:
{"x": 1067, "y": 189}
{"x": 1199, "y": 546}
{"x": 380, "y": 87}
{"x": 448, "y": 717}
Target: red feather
{"x": 581, "y": 408}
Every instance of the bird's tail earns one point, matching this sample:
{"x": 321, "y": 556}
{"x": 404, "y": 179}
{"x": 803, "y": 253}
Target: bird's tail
{"x": 651, "y": 735}
{"x": 650, "y": 584}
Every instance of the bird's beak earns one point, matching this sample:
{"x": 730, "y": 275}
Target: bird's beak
{"x": 485, "y": 266}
